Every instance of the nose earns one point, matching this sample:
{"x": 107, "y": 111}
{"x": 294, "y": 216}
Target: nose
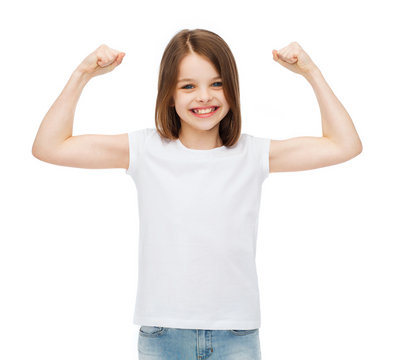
{"x": 204, "y": 96}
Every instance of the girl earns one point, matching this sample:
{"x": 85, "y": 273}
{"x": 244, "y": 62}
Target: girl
{"x": 199, "y": 187}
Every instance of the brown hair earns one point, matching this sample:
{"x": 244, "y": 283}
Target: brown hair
{"x": 216, "y": 50}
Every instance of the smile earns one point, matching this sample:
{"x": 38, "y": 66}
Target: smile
{"x": 205, "y": 112}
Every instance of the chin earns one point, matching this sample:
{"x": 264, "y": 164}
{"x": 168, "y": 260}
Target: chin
{"x": 206, "y": 126}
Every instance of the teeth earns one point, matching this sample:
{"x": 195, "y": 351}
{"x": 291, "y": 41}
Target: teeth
{"x": 204, "y": 111}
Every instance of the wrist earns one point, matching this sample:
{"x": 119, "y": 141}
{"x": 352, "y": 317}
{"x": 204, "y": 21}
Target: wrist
{"x": 313, "y": 75}
{"x": 81, "y": 75}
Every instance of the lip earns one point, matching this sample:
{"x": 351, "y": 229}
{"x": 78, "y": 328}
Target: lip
{"x": 204, "y": 107}
{"x": 205, "y": 115}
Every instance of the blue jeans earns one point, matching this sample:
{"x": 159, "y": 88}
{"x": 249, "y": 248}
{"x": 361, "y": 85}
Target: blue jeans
{"x": 164, "y": 343}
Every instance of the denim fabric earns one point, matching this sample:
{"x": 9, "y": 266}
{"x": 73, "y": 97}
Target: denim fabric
{"x": 164, "y": 343}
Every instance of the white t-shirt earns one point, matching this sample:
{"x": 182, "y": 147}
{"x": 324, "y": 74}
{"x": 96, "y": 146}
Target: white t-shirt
{"x": 198, "y": 223}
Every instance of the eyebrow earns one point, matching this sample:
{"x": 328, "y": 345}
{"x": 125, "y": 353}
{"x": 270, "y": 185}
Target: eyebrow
{"x": 181, "y": 80}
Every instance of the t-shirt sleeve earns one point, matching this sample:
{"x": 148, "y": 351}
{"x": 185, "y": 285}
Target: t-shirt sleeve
{"x": 136, "y": 142}
{"x": 262, "y": 149}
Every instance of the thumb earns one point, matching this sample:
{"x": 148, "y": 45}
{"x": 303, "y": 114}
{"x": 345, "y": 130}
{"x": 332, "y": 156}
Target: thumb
{"x": 275, "y": 55}
{"x": 120, "y": 57}
{"x": 117, "y": 61}
{"x": 283, "y": 60}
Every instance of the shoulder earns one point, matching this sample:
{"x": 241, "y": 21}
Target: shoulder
{"x": 143, "y": 132}
{"x": 262, "y": 142}
{"x": 141, "y": 135}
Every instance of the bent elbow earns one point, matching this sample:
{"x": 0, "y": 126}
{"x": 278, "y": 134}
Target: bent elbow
{"x": 359, "y": 149}
{"x": 34, "y": 151}
{"x": 38, "y": 153}
{"x": 355, "y": 152}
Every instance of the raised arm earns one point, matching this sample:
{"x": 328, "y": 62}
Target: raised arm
{"x": 54, "y": 142}
{"x": 340, "y": 141}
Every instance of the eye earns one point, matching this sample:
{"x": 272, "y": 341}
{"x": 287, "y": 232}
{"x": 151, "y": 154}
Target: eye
{"x": 219, "y": 84}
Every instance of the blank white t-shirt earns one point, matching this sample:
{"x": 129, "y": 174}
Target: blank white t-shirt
{"x": 198, "y": 223}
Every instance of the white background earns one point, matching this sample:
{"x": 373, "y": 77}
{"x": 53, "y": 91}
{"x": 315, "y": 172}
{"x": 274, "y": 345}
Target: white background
{"x": 328, "y": 248}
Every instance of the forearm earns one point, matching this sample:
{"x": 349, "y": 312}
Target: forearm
{"x": 337, "y": 125}
{"x": 57, "y": 125}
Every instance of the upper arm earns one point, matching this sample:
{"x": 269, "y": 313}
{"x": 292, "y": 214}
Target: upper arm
{"x": 305, "y": 153}
{"x": 90, "y": 151}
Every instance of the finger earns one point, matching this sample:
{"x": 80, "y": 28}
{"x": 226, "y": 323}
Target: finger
{"x": 288, "y": 57}
{"x": 105, "y": 56}
{"x": 278, "y": 56}
{"x": 102, "y": 54}
{"x": 105, "y": 60}
{"x": 117, "y": 61}
{"x": 114, "y": 56}
{"x": 293, "y": 59}
{"x": 283, "y": 55}
{"x": 120, "y": 57}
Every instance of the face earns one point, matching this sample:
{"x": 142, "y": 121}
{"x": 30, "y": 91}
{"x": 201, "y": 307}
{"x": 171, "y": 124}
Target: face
{"x": 203, "y": 90}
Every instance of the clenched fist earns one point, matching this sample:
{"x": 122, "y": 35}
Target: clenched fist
{"x": 102, "y": 60}
{"x": 294, "y": 58}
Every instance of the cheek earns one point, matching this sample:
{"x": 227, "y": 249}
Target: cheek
{"x": 182, "y": 101}
{"x": 180, "y": 108}
{"x": 178, "y": 105}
